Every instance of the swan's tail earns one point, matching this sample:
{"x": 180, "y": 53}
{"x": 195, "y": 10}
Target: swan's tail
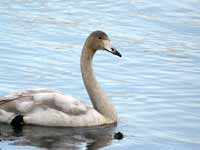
{"x": 6, "y": 117}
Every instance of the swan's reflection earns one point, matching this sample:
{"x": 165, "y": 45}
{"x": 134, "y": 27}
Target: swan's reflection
{"x": 59, "y": 138}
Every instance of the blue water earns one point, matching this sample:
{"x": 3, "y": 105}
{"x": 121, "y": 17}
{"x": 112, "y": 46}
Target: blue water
{"x": 155, "y": 86}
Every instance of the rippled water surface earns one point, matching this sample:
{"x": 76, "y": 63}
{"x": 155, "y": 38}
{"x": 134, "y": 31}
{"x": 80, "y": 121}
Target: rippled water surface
{"x": 155, "y": 85}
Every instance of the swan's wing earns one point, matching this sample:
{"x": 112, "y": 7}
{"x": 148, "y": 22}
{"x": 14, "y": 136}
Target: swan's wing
{"x": 4, "y": 100}
{"x": 12, "y": 101}
{"x": 28, "y": 101}
{"x": 69, "y": 104}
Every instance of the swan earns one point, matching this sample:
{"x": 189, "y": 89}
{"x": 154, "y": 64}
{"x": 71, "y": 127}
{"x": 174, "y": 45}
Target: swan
{"x": 51, "y": 108}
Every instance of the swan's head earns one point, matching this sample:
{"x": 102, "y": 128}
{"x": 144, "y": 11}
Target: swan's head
{"x": 98, "y": 40}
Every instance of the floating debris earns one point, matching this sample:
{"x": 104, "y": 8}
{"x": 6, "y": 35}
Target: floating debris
{"x": 118, "y": 136}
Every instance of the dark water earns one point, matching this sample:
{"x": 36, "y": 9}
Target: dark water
{"x": 35, "y": 137}
{"x": 155, "y": 86}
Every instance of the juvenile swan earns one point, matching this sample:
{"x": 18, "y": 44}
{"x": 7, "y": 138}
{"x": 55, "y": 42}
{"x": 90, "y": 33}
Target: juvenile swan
{"x": 50, "y": 108}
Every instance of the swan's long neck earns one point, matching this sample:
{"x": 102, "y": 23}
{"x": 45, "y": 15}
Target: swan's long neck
{"x": 99, "y": 99}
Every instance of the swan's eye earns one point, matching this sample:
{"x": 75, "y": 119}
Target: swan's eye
{"x": 100, "y": 37}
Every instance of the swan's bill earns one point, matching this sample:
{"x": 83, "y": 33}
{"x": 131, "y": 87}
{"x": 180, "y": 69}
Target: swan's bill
{"x": 108, "y": 47}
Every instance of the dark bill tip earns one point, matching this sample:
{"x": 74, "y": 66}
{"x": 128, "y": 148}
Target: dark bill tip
{"x": 117, "y": 53}
{"x": 114, "y": 51}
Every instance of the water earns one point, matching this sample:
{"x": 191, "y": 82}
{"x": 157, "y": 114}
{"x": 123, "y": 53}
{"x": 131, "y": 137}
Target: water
{"x": 155, "y": 85}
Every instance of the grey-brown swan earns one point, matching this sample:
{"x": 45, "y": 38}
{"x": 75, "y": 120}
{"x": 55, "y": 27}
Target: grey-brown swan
{"x": 50, "y": 108}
